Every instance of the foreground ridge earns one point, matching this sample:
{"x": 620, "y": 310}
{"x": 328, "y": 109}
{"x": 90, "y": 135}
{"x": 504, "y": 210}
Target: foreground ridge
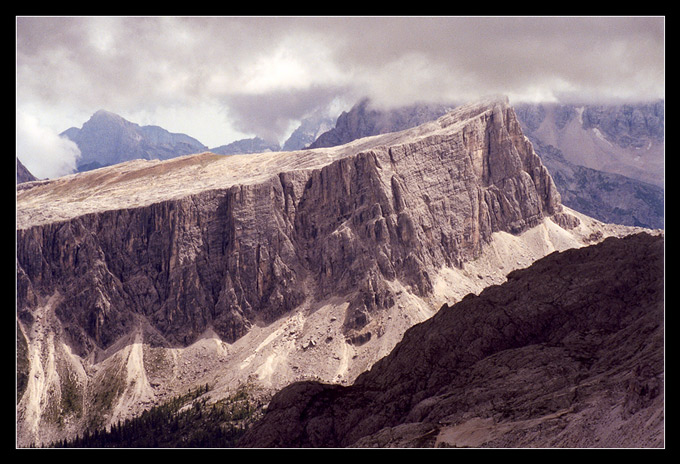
{"x": 566, "y": 353}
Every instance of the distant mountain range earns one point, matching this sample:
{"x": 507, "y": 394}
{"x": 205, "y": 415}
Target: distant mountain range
{"x": 107, "y": 139}
{"x": 606, "y": 161}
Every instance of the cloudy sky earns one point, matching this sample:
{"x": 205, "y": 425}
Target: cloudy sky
{"x": 220, "y": 79}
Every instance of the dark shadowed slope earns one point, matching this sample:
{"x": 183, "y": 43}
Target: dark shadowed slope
{"x": 566, "y": 353}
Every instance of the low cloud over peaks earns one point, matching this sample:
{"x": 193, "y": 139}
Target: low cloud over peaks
{"x": 266, "y": 72}
{"x": 43, "y": 152}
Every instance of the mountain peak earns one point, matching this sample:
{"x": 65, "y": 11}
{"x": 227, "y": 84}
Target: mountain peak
{"x": 107, "y": 139}
{"x": 107, "y": 115}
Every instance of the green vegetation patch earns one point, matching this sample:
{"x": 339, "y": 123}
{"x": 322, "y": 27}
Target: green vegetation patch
{"x": 186, "y": 421}
{"x": 110, "y": 386}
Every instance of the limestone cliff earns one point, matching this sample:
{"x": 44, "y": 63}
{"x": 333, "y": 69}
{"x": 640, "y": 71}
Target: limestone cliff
{"x": 225, "y": 257}
{"x": 266, "y": 256}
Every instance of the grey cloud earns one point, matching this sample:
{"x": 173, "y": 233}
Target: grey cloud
{"x": 139, "y": 62}
{"x": 269, "y": 115}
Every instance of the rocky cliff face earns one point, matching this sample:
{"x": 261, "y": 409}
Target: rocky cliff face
{"x": 566, "y": 353}
{"x": 280, "y": 265}
{"x": 225, "y": 257}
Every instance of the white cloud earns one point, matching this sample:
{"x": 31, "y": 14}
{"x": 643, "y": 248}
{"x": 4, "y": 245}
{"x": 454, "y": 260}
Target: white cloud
{"x": 41, "y": 150}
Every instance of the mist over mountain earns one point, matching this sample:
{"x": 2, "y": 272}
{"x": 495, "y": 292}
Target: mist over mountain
{"x": 340, "y": 232}
{"x": 309, "y": 130}
{"x": 107, "y": 139}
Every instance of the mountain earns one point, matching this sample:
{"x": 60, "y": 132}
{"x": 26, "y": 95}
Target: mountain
{"x": 363, "y": 120}
{"x": 586, "y": 148}
{"x": 607, "y": 161}
{"x": 619, "y": 139}
{"x": 246, "y": 146}
{"x": 605, "y": 196}
{"x": 569, "y": 352}
{"x": 141, "y": 280}
{"x": 107, "y": 139}
{"x": 309, "y": 130}
{"x": 23, "y": 174}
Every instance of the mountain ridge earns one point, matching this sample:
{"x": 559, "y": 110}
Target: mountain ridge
{"x": 319, "y": 259}
{"x": 570, "y": 139}
{"x": 107, "y": 139}
{"x": 363, "y": 120}
{"x": 620, "y": 139}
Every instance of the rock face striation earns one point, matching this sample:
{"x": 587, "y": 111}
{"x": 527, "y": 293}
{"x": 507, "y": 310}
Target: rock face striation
{"x": 567, "y": 353}
{"x": 285, "y": 265}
